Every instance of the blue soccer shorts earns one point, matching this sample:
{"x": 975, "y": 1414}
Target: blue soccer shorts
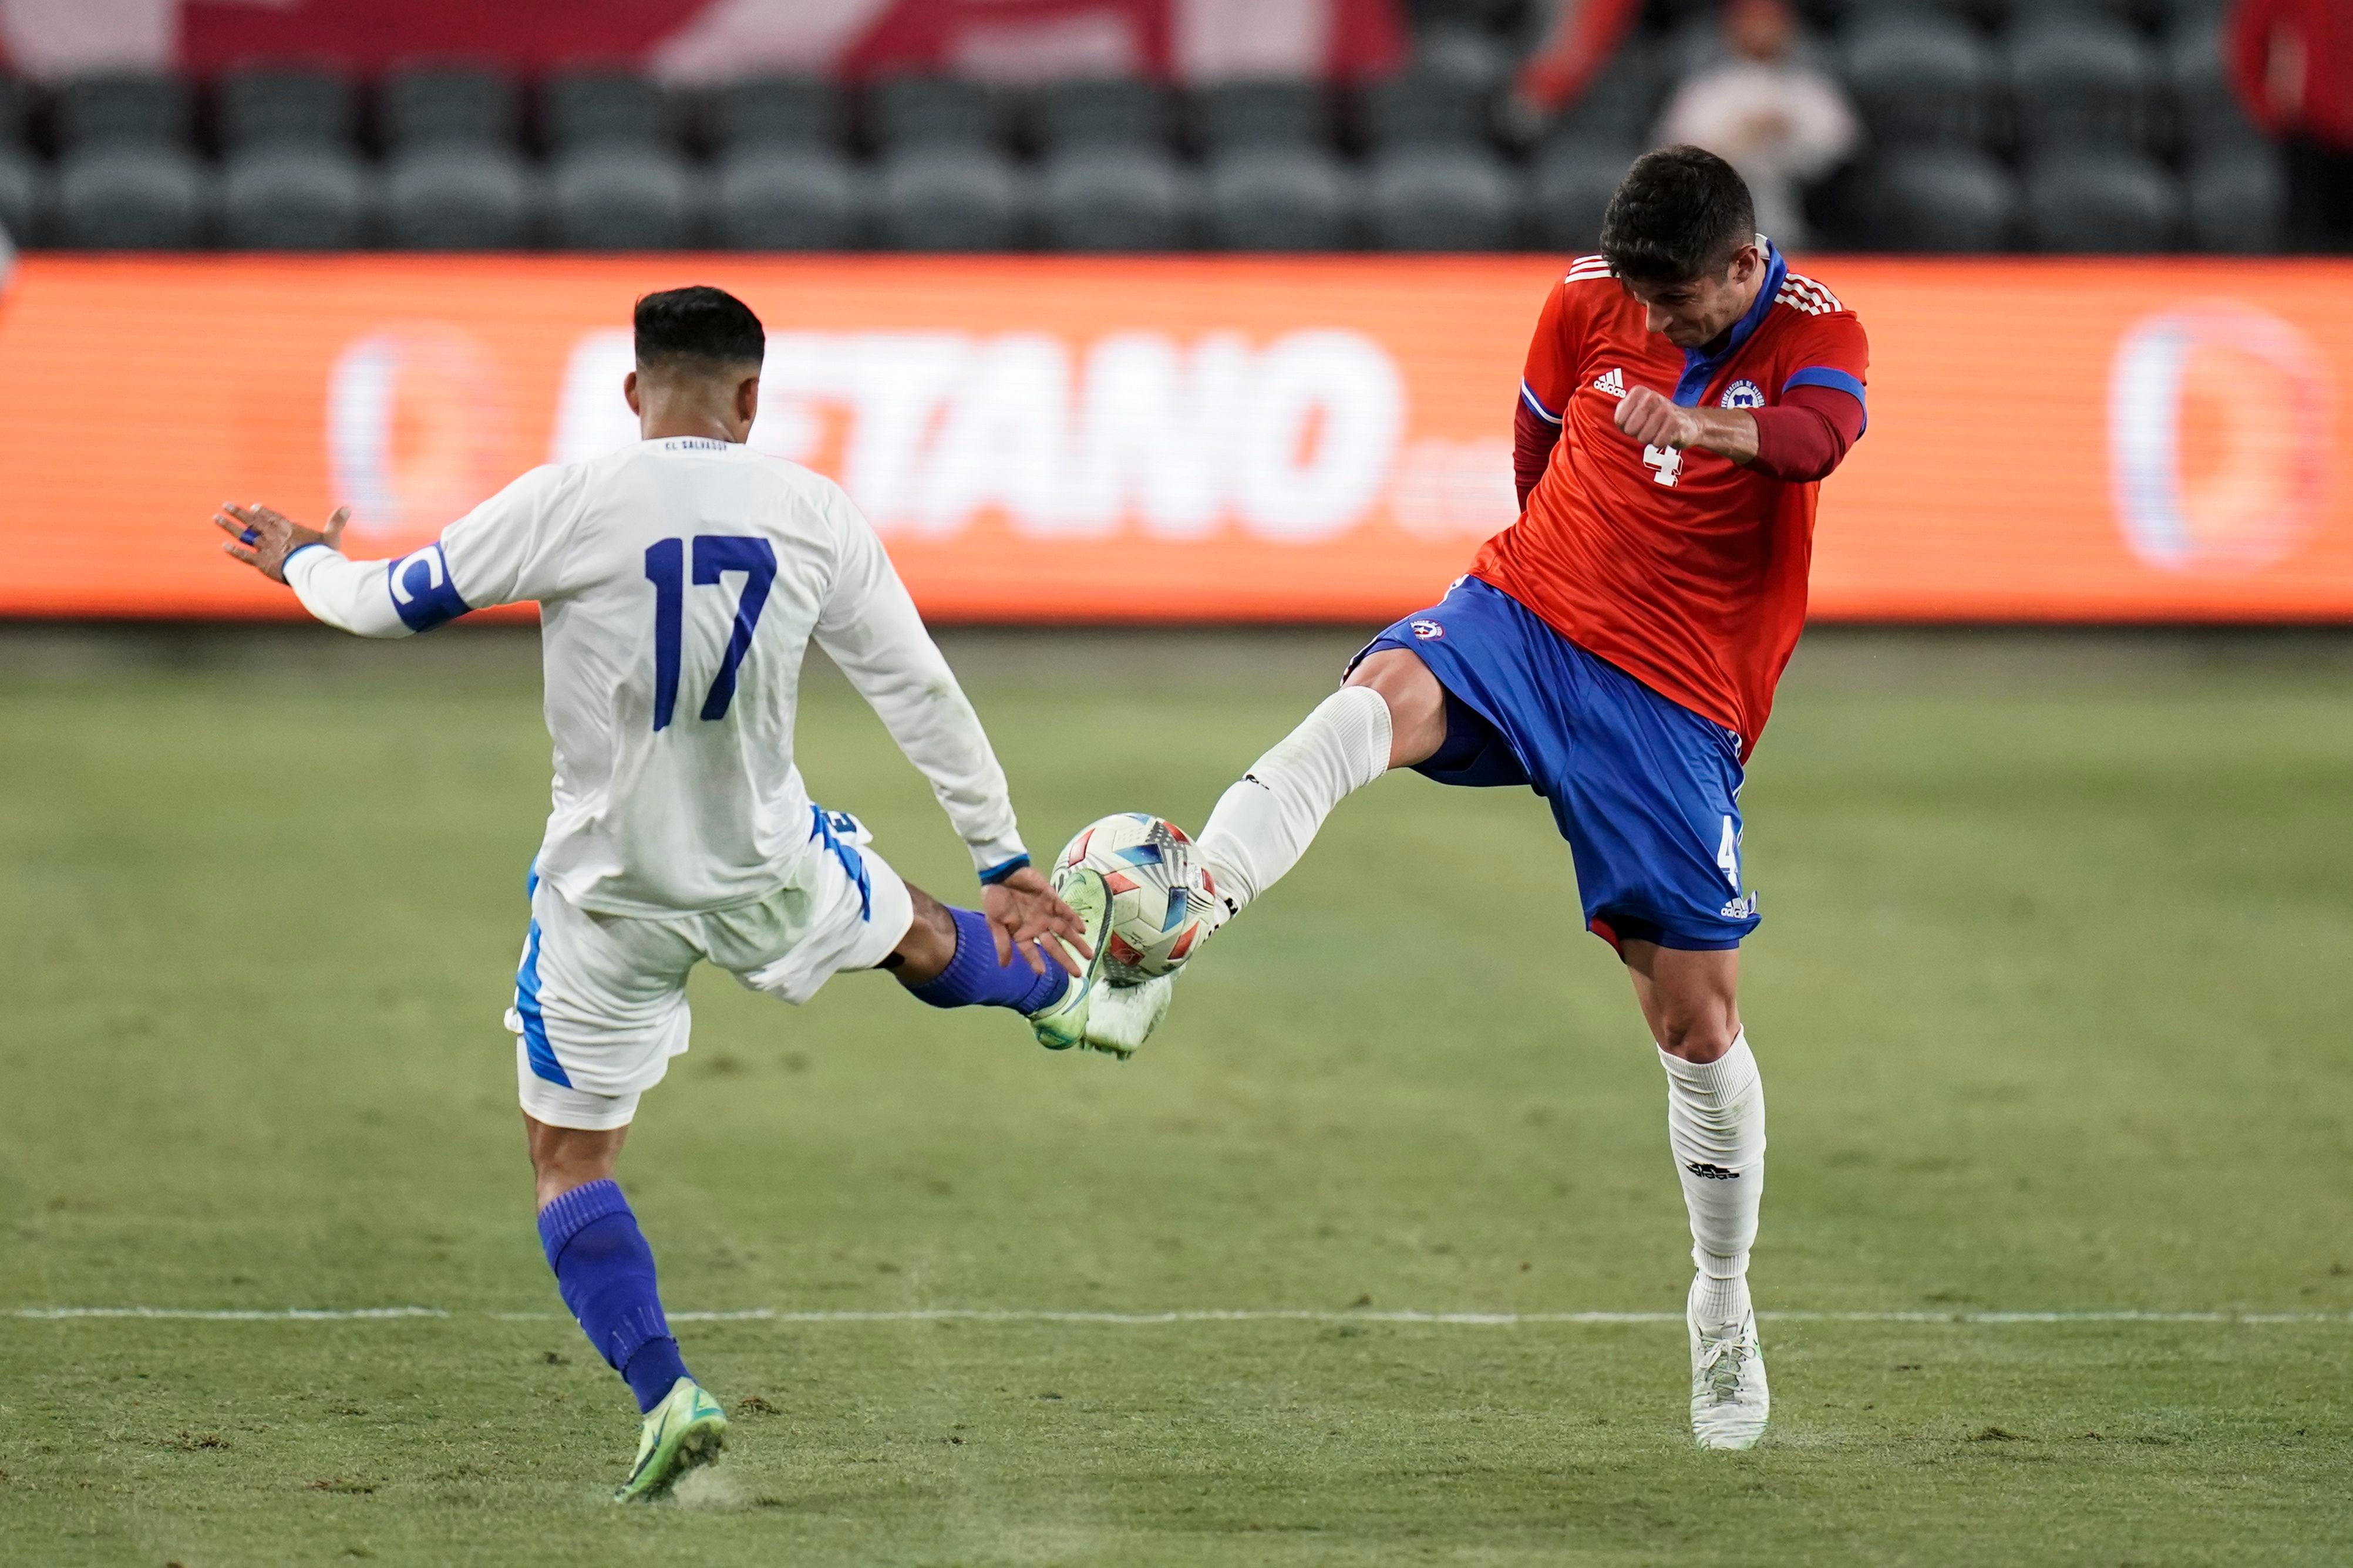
{"x": 1646, "y": 791}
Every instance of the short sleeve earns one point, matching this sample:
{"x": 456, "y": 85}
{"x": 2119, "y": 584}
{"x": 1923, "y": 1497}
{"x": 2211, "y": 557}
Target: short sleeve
{"x": 1550, "y": 374}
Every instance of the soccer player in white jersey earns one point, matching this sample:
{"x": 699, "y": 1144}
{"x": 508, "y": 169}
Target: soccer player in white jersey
{"x": 679, "y": 582}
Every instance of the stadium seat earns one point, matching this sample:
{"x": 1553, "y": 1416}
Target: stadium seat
{"x": 1621, "y": 106}
{"x": 1422, "y": 109}
{"x": 431, "y": 105}
{"x": 23, "y": 198}
{"x": 2171, "y": 16}
{"x": 1101, "y": 112}
{"x": 1442, "y": 198}
{"x": 2238, "y": 200}
{"x": 2006, "y": 16}
{"x": 2208, "y": 116}
{"x": 1855, "y": 12}
{"x": 773, "y": 111}
{"x": 945, "y": 196}
{"x": 780, "y": 197}
{"x": 610, "y": 195}
{"x": 1281, "y": 198}
{"x": 1470, "y": 55}
{"x": 289, "y": 196}
{"x": 1569, "y": 188}
{"x": 909, "y": 111}
{"x": 2104, "y": 203}
{"x": 27, "y": 196}
{"x": 124, "y": 196}
{"x": 1938, "y": 201}
{"x": 273, "y": 106}
{"x": 110, "y": 107}
{"x": 1920, "y": 77}
{"x": 1107, "y": 196}
{"x": 454, "y": 196}
{"x": 586, "y": 109}
{"x": 1240, "y": 116}
{"x": 2078, "y": 79}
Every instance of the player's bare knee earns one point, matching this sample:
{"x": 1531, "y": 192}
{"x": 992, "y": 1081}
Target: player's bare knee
{"x": 1700, "y": 1037}
{"x": 1416, "y": 702}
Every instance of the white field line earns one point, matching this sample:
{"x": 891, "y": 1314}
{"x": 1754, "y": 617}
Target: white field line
{"x": 1146, "y": 1320}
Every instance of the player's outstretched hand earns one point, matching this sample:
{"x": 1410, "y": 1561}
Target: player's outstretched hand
{"x": 263, "y": 538}
{"x": 1025, "y": 913}
{"x": 1644, "y": 415}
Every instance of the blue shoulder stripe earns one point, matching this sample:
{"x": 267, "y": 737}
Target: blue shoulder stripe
{"x": 1528, "y": 396}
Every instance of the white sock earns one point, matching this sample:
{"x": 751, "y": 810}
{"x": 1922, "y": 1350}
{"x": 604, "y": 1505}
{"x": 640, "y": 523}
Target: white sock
{"x": 1716, "y": 1125}
{"x": 1264, "y": 823}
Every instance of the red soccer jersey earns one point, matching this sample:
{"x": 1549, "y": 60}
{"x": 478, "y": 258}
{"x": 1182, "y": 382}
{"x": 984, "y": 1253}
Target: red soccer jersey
{"x": 1683, "y": 569}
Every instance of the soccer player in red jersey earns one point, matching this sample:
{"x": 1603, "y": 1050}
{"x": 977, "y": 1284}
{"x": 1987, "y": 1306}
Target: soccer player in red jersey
{"x": 1616, "y": 650}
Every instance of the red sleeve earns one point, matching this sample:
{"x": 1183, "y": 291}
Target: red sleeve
{"x": 1550, "y": 375}
{"x": 1532, "y": 443}
{"x": 1807, "y": 437}
{"x": 1545, "y": 381}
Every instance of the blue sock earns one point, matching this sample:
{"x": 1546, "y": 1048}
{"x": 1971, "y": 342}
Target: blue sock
{"x": 606, "y": 1272}
{"x": 974, "y": 977}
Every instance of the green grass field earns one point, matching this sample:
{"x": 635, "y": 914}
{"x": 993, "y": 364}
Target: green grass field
{"x": 2050, "y": 997}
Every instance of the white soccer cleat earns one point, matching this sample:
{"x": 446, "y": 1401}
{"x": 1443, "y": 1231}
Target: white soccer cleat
{"x": 1729, "y": 1400}
{"x": 1121, "y": 1017}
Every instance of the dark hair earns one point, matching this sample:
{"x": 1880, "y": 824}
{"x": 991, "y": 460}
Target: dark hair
{"x": 698, "y": 327}
{"x": 1677, "y": 216}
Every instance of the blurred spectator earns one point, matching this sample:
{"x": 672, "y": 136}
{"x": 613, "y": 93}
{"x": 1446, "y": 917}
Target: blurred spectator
{"x": 1782, "y": 123}
{"x": 1577, "y": 42}
{"x": 2291, "y": 62}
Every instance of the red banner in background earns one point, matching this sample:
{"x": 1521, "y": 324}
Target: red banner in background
{"x": 1177, "y": 439}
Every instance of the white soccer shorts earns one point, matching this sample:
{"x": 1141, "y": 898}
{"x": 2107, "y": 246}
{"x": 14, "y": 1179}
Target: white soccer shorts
{"x": 600, "y": 1000}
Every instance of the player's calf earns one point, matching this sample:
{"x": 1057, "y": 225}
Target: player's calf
{"x": 954, "y": 958}
{"x": 605, "y": 1271}
{"x": 1262, "y": 825}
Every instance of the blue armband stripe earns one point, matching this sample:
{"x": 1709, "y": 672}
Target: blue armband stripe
{"x": 1003, "y": 869}
{"x": 422, "y": 593}
{"x": 1836, "y": 380}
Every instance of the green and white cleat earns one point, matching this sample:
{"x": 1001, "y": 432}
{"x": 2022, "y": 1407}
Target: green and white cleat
{"x": 1730, "y": 1400}
{"x": 1064, "y": 1023}
{"x": 685, "y": 1431}
{"x": 1121, "y": 1017}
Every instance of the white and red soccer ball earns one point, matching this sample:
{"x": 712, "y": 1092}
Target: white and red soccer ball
{"x": 1160, "y": 893}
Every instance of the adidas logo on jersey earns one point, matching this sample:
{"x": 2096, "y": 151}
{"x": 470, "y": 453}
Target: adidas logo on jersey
{"x": 1611, "y": 381}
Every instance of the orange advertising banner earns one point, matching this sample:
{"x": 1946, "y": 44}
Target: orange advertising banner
{"x": 1176, "y": 439}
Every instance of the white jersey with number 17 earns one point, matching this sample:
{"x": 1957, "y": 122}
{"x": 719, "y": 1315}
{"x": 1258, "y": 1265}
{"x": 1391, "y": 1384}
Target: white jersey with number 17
{"x": 680, "y": 582}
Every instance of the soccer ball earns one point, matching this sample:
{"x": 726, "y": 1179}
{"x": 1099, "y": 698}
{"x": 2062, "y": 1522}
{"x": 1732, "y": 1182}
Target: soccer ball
{"x": 1161, "y": 894}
